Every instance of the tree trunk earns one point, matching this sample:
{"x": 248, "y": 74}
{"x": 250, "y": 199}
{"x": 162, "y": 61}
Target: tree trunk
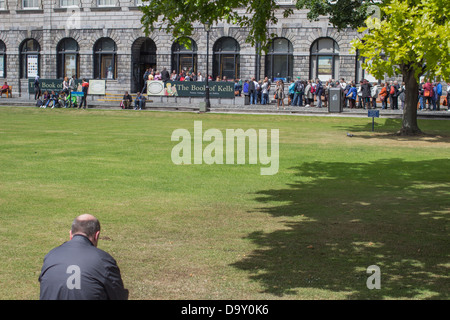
{"x": 409, "y": 123}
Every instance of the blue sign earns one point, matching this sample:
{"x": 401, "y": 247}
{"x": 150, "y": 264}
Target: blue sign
{"x": 373, "y": 114}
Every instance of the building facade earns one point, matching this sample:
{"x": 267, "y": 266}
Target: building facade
{"x": 104, "y": 39}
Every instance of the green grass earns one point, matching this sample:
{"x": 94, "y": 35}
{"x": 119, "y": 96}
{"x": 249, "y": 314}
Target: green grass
{"x": 336, "y": 206}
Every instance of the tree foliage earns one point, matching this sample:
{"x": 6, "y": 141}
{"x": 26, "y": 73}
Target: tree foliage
{"x": 412, "y": 35}
{"x": 179, "y": 17}
{"x": 410, "y": 39}
{"x": 341, "y": 13}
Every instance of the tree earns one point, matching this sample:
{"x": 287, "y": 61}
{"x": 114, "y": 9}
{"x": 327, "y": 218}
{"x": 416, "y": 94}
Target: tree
{"x": 178, "y": 17}
{"x": 411, "y": 39}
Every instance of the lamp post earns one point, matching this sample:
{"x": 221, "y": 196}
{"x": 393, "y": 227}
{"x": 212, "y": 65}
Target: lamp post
{"x": 207, "y": 102}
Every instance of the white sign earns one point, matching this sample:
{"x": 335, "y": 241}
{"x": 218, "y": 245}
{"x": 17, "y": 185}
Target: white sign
{"x": 32, "y": 65}
{"x": 97, "y": 87}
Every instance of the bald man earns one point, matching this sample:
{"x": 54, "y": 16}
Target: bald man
{"x": 78, "y": 270}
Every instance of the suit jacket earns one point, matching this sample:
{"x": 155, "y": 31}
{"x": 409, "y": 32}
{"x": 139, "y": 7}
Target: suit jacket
{"x": 77, "y": 270}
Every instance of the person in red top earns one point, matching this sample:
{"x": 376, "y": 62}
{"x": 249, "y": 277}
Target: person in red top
{"x": 5, "y": 89}
{"x": 85, "y": 88}
{"x": 428, "y": 94}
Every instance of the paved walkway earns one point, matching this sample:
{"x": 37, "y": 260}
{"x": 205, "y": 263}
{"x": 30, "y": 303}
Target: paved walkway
{"x": 237, "y": 106}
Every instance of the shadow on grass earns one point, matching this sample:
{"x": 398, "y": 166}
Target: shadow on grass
{"x": 388, "y": 129}
{"x": 341, "y": 218}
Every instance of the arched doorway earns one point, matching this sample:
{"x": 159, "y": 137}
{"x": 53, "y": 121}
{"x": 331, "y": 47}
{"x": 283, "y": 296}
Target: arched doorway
{"x": 143, "y": 56}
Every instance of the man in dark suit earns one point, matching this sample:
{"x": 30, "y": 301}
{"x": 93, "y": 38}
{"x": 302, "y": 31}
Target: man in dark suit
{"x": 78, "y": 270}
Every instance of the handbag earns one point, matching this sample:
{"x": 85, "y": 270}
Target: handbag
{"x": 426, "y": 93}
{"x": 445, "y": 102}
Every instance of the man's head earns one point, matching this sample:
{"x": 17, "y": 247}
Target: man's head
{"x": 88, "y": 226}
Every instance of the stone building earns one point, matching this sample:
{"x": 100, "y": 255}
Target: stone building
{"x": 103, "y": 39}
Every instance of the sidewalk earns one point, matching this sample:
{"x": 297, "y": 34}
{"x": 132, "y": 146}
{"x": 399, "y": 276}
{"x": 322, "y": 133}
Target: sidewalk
{"x": 236, "y": 106}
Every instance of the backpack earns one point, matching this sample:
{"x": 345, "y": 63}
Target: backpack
{"x": 392, "y": 90}
{"x": 313, "y": 89}
{"x": 251, "y": 86}
{"x": 374, "y": 92}
{"x": 299, "y": 87}
{"x": 39, "y": 103}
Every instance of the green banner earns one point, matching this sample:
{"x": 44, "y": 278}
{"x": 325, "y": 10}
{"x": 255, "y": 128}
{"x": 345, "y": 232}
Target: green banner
{"x": 49, "y": 85}
{"x": 217, "y": 89}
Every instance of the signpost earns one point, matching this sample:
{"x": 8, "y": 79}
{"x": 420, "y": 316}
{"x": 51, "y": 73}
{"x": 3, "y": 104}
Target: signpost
{"x": 374, "y": 114}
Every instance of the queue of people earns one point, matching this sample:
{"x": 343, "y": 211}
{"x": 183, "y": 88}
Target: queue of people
{"x": 308, "y": 93}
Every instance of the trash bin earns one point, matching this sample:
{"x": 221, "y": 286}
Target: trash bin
{"x": 335, "y": 100}
{"x": 246, "y": 99}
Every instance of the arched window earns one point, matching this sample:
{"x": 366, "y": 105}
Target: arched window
{"x": 184, "y": 57}
{"x": 67, "y": 60}
{"x": 324, "y": 59}
{"x": 226, "y": 62}
{"x": 29, "y": 52}
{"x": 105, "y": 59}
{"x": 280, "y": 60}
{"x": 2, "y": 60}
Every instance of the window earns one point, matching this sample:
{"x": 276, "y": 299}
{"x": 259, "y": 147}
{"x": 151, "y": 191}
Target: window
{"x": 324, "y": 59}
{"x": 68, "y": 3}
{"x": 105, "y": 56}
{"x": 30, "y": 4}
{"x": 2, "y": 60}
{"x": 226, "y": 62}
{"x": 2, "y": 4}
{"x": 280, "y": 60}
{"x": 29, "y": 58}
{"x": 67, "y": 58}
{"x": 106, "y": 3}
{"x": 184, "y": 57}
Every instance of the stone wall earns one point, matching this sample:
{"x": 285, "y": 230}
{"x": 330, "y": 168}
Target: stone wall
{"x": 50, "y": 23}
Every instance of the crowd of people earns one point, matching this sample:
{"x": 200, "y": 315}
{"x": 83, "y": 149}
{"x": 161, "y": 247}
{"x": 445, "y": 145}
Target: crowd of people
{"x": 315, "y": 93}
{"x": 308, "y": 93}
{"x": 64, "y": 98}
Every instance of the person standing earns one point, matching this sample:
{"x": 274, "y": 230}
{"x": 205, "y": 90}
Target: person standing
{"x": 366, "y": 94}
{"x": 298, "y": 93}
{"x": 37, "y": 88}
{"x": 374, "y": 94}
{"x": 427, "y": 94}
{"x": 279, "y": 93}
{"x": 439, "y": 94}
{"x": 165, "y": 76}
{"x": 319, "y": 93}
{"x": 351, "y": 96}
{"x": 85, "y": 89}
{"x": 72, "y": 85}
{"x": 78, "y": 270}
{"x": 265, "y": 92}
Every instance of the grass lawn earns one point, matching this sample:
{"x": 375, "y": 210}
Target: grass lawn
{"x": 337, "y": 205}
